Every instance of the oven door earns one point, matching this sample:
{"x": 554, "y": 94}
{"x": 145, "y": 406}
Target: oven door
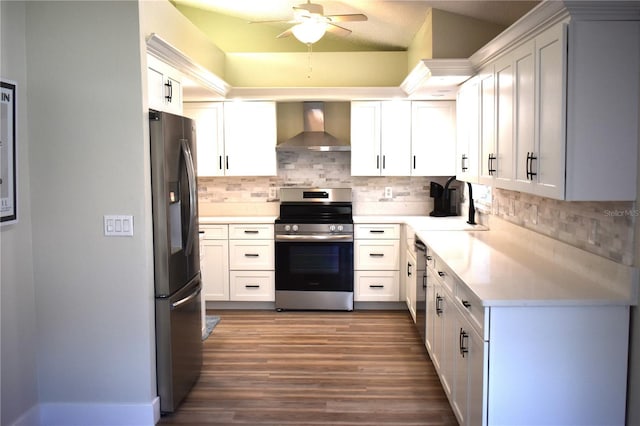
{"x": 314, "y": 265}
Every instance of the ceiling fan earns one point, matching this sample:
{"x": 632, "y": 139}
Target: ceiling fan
{"x": 310, "y": 23}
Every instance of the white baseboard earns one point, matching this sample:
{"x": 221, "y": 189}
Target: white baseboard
{"x": 72, "y": 414}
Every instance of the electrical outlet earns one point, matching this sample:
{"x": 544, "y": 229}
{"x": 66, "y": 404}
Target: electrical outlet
{"x": 512, "y": 207}
{"x": 388, "y": 192}
{"x": 273, "y": 193}
{"x": 534, "y": 214}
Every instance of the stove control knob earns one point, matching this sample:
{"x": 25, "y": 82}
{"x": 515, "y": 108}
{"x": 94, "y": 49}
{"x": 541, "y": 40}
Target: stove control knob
{"x": 295, "y": 228}
{"x": 332, "y": 228}
{"x": 287, "y": 228}
{"x": 340, "y": 228}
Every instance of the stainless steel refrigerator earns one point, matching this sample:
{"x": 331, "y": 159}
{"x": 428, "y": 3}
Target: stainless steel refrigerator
{"x": 176, "y": 257}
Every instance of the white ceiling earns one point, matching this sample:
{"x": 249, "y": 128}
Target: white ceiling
{"x": 391, "y": 24}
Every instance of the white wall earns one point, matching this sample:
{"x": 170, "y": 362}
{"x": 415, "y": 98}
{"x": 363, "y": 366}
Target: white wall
{"x": 19, "y": 385}
{"x": 89, "y": 157}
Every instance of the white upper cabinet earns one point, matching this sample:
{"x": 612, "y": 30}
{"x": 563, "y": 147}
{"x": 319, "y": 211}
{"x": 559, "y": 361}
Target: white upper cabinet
{"x": 487, "y": 125}
{"x": 365, "y": 138}
{"x": 250, "y": 138}
{"x": 468, "y": 131}
{"x": 235, "y": 138}
{"x": 503, "y": 163}
{"x": 380, "y": 138}
{"x": 523, "y": 114}
{"x": 559, "y": 113}
{"x": 433, "y": 138}
{"x": 545, "y": 165}
{"x": 209, "y": 136}
{"x": 602, "y": 110}
{"x": 164, "y": 84}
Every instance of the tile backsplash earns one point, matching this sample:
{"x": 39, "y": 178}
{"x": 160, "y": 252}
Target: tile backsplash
{"x": 602, "y": 228}
{"x": 234, "y": 195}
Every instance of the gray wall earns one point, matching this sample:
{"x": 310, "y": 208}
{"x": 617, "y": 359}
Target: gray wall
{"x": 19, "y": 341}
{"x": 94, "y": 295}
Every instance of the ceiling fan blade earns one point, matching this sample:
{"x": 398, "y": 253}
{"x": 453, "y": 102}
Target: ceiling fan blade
{"x": 286, "y": 33}
{"x": 275, "y": 21}
{"x": 337, "y": 30}
{"x": 348, "y": 18}
{"x": 309, "y": 8}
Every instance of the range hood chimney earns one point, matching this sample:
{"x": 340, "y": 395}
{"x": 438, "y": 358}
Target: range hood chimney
{"x": 313, "y": 137}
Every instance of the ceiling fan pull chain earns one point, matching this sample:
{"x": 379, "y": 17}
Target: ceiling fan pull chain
{"x": 310, "y": 67}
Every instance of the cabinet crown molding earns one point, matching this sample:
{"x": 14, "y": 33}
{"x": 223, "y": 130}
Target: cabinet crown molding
{"x": 548, "y": 13}
{"x": 167, "y": 53}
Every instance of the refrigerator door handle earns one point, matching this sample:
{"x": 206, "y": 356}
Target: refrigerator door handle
{"x": 188, "y": 159}
{"x": 176, "y": 305}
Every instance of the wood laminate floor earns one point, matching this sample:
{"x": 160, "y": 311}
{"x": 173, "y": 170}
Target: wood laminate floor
{"x": 315, "y": 368}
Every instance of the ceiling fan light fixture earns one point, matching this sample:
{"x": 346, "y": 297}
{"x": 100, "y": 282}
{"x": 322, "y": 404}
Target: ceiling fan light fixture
{"x": 309, "y": 31}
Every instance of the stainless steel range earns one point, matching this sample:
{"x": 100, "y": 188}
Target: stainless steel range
{"x": 314, "y": 249}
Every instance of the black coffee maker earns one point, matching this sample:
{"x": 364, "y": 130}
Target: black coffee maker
{"x": 445, "y": 199}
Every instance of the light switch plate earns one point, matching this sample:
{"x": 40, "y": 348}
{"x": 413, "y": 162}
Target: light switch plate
{"x": 118, "y": 225}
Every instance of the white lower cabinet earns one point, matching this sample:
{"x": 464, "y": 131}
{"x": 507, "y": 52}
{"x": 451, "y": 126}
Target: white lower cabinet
{"x": 251, "y": 255}
{"x": 468, "y": 379}
{"x": 237, "y": 262}
{"x": 214, "y": 262}
{"x": 519, "y": 365}
{"x": 410, "y": 283}
{"x": 251, "y": 262}
{"x": 252, "y": 286}
{"x": 377, "y": 263}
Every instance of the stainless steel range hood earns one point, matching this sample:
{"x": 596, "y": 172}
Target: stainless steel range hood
{"x": 313, "y": 137}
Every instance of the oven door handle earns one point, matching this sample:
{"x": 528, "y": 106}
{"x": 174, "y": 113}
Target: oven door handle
{"x": 314, "y": 238}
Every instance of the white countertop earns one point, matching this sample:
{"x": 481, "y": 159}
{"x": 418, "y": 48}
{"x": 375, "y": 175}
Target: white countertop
{"x": 425, "y": 223}
{"x": 502, "y": 273}
{"x": 213, "y": 220}
{"x": 453, "y": 223}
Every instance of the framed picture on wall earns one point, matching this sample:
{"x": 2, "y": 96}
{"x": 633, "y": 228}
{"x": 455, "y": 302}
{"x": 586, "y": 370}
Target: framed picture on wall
{"x": 8, "y": 185}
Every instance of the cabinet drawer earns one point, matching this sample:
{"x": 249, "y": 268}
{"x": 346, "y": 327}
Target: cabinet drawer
{"x": 377, "y": 255}
{"x": 470, "y": 304}
{"x": 376, "y": 286}
{"x": 252, "y": 286}
{"x": 444, "y": 274}
{"x": 377, "y": 232}
{"x": 251, "y": 255}
{"x": 214, "y": 232}
{"x": 254, "y": 231}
